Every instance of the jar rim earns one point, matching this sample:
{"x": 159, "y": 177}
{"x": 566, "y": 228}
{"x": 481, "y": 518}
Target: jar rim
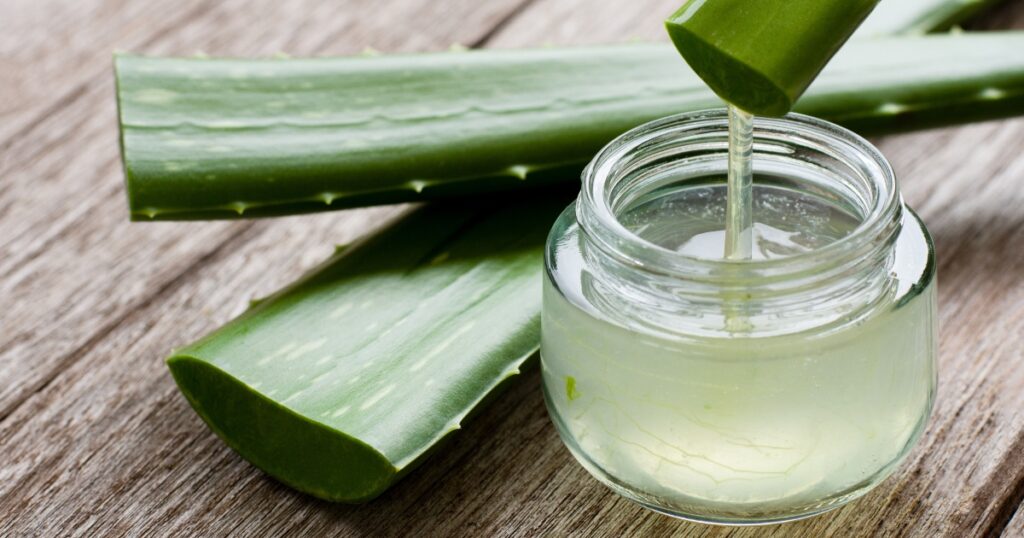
{"x": 878, "y": 227}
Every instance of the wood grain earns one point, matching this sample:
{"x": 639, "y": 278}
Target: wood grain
{"x": 61, "y": 206}
{"x": 95, "y": 440}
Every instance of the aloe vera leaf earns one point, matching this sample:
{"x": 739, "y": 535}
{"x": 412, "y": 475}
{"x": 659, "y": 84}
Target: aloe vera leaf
{"x": 761, "y": 55}
{"x": 907, "y": 17}
{"x": 220, "y": 138}
{"x": 208, "y": 138}
{"x": 342, "y": 382}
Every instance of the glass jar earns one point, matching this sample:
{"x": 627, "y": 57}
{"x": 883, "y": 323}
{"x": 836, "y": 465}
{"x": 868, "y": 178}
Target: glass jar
{"x": 739, "y": 392}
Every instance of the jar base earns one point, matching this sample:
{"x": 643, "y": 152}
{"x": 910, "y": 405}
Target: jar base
{"x": 721, "y": 518}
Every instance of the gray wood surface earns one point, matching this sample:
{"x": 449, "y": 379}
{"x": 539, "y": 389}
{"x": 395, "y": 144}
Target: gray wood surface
{"x": 95, "y": 440}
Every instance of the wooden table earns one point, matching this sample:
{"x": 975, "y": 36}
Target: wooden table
{"x": 95, "y": 439}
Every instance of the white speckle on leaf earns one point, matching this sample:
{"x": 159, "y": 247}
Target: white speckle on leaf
{"x": 372, "y": 400}
{"x": 417, "y": 185}
{"x": 340, "y": 411}
{"x": 441, "y": 347}
{"x": 156, "y": 96}
{"x": 518, "y": 171}
{"x": 286, "y": 348}
{"x": 891, "y": 108}
{"x": 354, "y": 143}
{"x": 340, "y": 310}
{"x": 991, "y": 93}
{"x": 293, "y": 396}
{"x": 305, "y": 349}
{"x": 225, "y": 124}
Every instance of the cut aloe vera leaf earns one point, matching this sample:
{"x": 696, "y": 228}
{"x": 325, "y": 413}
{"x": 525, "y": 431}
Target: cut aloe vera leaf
{"x": 207, "y": 138}
{"x": 907, "y": 17}
{"x": 341, "y": 383}
{"x": 761, "y": 55}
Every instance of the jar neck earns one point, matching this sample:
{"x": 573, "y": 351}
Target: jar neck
{"x": 670, "y": 290}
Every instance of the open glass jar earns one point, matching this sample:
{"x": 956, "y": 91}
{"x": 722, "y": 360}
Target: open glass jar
{"x": 739, "y": 392}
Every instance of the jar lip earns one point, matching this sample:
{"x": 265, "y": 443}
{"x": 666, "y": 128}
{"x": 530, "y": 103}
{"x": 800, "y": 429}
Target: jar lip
{"x": 879, "y": 223}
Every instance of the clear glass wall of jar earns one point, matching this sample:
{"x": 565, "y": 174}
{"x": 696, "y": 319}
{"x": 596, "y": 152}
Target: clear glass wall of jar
{"x": 739, "y": 392}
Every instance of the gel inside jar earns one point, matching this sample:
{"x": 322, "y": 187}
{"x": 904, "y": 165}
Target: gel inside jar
{"x": 739, "y": 392}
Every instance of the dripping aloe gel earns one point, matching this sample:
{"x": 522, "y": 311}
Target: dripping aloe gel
{"x": 739, "y": 390}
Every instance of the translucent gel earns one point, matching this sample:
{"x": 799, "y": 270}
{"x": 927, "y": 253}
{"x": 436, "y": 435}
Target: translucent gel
{"x": 737, "y": 428}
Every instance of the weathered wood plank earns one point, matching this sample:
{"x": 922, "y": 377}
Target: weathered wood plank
{"x": 110, "y": 447}
{"x": 570, "y": 23}
{"x": 50, "y": 50}
{"x": 1015, "y": 529}
{"x": 62, "y": 207}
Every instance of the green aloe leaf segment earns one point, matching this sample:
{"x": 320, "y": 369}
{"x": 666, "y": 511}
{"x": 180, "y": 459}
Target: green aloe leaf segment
{"x": 761, "y": 55}
{"x": 209, "y": 138}
{"x": 340, "y": 383}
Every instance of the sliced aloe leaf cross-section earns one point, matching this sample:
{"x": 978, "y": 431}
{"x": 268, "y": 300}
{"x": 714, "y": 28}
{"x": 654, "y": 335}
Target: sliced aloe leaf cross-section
{"x": 340, "y": 383}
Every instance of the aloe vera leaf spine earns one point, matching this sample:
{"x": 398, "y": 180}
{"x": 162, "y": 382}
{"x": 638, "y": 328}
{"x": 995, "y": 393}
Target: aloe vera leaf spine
{"x": 342, "y": 382}
{"x": 207, "y": 138}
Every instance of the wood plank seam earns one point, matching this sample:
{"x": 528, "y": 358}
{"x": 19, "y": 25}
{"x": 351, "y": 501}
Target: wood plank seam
{"x": 1007, "y": 508}
{"x": 68, "y": 97}
{"x": 501, "y": 24}
{"x": 135, "y": 309}
{"x": 50, "y": 237}
{"x": 64, "y": 100}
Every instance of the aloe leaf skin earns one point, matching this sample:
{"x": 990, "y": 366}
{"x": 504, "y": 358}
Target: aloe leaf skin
{"x": 208, "y": 138}
{"x": 342, "y": 382}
